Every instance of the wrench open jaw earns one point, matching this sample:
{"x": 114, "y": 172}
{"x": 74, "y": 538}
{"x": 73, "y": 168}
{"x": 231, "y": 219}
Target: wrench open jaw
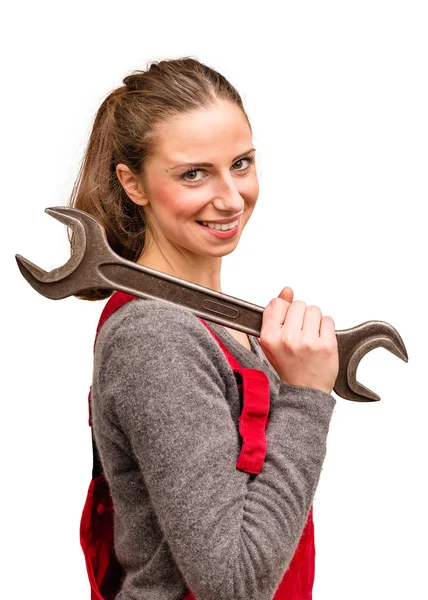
{"x": 94, "y": 265}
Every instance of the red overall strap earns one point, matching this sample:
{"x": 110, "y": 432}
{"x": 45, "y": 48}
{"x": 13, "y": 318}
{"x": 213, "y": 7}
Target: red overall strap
{"x": 115, "y": 301}
{"x": 254, "y": 414}
{"x": 255, "y": 397}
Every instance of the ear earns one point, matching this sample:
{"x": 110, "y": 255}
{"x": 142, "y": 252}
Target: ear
{"x": 131, "y": 184}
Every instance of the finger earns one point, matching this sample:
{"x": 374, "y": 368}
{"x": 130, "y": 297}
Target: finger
{"x": 286, "y": 294}
{"x": 294, "y": 319}
{"x": 327, "y": 328}
{"x": 312, "y": 322}
{"x": 274, "y": 316}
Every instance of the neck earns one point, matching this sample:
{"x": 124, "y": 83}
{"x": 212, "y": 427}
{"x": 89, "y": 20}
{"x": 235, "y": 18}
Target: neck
{"x": 200, "y": 270}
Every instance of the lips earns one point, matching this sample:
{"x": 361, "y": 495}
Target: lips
{"x": 219, "y": 233}
{"x": 216, "y": 226}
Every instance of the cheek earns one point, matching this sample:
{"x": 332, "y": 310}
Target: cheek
{"x": 256, "y": 189}
{"x": 177, "y": 204}
{"x": 251, "y": 190}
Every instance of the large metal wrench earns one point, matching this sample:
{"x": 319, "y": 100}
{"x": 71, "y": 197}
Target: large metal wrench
{"x": 94, "y": 265}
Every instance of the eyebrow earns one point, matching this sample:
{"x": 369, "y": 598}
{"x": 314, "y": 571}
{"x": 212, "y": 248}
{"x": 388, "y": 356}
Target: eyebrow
{"x": 207, "y": 164}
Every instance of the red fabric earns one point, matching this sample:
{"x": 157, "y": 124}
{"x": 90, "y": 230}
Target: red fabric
{"x": 254, "y": 415}
{"x": 96, "y": 537}
{"x": 96, "y": 527}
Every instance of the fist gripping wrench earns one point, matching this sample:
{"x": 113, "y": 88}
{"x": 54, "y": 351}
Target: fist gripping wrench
{"x": 94, "y": 265}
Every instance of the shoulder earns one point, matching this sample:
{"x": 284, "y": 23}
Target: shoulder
{"x": 159, "y": 329}
{"x": 162, "y": 318}
{"x": 163, "y": 350}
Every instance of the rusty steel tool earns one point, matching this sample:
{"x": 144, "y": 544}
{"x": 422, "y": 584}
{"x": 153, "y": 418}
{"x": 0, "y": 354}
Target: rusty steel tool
{"x": 94, "y": 265}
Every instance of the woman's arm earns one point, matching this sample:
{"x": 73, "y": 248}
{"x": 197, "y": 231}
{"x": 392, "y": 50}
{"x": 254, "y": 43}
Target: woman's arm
{"x": 230, "y": 537}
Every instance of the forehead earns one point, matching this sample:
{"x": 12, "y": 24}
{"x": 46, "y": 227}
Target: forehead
{"x": 221, "y": 130}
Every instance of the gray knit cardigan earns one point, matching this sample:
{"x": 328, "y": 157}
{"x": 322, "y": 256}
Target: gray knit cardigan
{"x": 165, "y": 408}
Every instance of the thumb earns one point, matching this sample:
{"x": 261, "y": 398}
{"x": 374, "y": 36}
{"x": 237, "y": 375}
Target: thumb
{"x": 286, "y": 294}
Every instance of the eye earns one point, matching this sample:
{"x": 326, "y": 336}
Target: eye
{"x": 249, "y": 159}
{"x": 190, "y": 173}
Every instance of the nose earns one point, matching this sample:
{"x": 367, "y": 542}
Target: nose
{"x": 227, "y": 196}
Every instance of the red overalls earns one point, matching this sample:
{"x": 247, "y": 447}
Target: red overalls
{"x": 96, "y": 528}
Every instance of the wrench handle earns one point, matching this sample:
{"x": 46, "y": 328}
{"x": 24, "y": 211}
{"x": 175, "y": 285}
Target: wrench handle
{"x": 204, "y": 302}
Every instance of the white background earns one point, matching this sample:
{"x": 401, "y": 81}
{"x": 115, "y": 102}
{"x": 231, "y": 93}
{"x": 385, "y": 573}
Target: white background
{"x": 337, "y": 95}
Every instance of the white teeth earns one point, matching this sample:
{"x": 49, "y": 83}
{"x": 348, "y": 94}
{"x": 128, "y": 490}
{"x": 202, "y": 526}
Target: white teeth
{"x": 221, "y": 227}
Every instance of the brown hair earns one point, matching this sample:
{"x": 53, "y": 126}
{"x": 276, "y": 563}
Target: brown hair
{"x": 123, "y": 132}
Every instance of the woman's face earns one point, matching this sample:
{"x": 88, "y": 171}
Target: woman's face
{"x": 178, "y": 196}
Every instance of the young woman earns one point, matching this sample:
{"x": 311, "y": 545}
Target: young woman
{"x": 212, "y": 441}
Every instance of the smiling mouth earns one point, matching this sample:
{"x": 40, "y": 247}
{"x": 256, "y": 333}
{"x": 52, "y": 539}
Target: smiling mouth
{"x": 220, "y": 226}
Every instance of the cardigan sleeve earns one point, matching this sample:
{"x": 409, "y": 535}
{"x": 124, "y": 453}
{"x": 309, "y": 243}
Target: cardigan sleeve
{"x": 231, "y": 536}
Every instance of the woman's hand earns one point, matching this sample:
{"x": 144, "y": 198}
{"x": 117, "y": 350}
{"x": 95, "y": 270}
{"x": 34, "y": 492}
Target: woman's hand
{"x": 300, "y": 343}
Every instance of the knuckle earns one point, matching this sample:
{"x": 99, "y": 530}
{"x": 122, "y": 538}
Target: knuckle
{"x": 299, "y": 303}
{"x": 327, "y": 348}
{"x": 328, "y": 319}
{"x": 277, "y": 304}
{"x": 289, "y": 340}
{"x": 306, "y": 344}
{"x": 279, "y": 301}
{"x": 266, "y": 338}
